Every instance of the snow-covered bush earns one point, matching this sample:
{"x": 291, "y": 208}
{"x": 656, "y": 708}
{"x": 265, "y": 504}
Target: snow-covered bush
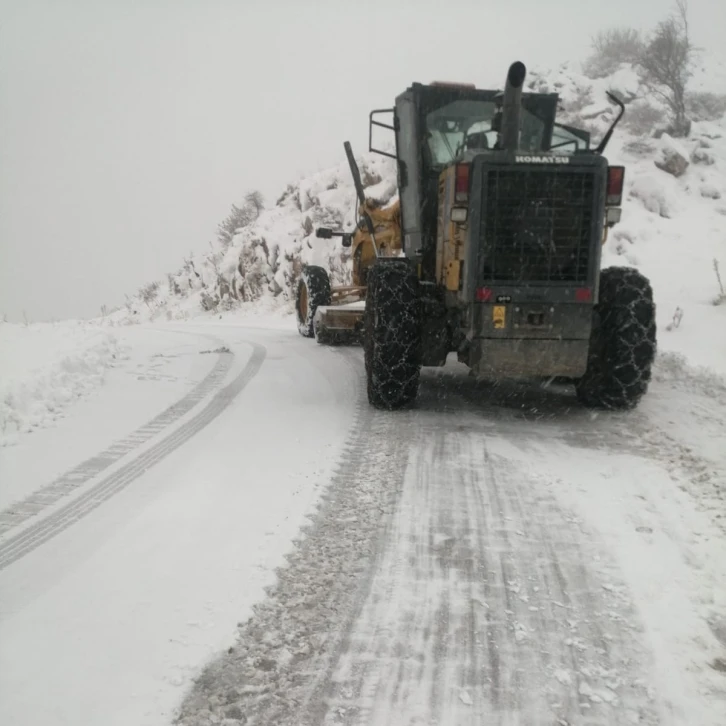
{"x": 643, "y": 118}
{"x": 663, "y": 59}
{"x": 705, "y": 106}
{"x": 240, "y": 217}
{"x": 610, "y": 49}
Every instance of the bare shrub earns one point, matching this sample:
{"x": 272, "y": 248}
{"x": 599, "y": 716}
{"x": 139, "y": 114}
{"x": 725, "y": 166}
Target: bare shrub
{"x": 240, "y": 217}
{"x": 639, "y": 147}
{"x": 291, "y": 193}
{"x": 705, "y": 106}
{"x": 666, "y": 66}
{"x": 664, "y": 61}
{"x": 255, "y": 201}
{"x": 643, "y": 118}
{"x": 148, "y": 293}
{"x": 209, "y": 302}
{"x": 612, "y": 47}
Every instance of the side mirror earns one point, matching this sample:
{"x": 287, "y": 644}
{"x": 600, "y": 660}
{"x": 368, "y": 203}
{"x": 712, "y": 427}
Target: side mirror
{"x": 324, "y": 233}
{"x": 347, "y": 240}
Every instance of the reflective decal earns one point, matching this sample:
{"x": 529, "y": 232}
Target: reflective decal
{"x": 499, "y": 316}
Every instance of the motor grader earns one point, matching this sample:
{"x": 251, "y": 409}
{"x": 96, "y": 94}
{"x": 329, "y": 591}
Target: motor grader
{"x": 334, "y": 315}
{"x": 492, "y": 252}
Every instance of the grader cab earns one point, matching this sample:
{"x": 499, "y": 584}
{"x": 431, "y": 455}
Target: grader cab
{"x": 492, "y": 251}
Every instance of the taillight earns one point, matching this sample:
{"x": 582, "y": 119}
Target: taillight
{"x": 616, "y": 176}
{"x": 462, "y": 183}
{"x": 583, "y": 294}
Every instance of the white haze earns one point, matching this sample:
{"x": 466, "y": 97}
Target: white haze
{"x": 127, "y": 129}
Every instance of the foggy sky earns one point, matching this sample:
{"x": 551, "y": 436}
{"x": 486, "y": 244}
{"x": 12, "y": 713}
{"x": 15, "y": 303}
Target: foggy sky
{"x": 127, "y": 129}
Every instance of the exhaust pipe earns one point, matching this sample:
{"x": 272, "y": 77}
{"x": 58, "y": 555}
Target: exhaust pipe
{"x": 512, "y": 107}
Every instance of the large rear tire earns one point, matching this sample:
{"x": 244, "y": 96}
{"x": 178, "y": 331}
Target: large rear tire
{"x": 392, "y": 335}
{"x": 622, "y": 344}
{"x": 313, "y": 291}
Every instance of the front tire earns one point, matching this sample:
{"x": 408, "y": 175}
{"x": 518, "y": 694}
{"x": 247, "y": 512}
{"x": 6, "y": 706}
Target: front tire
{"x": 622, "y": 344}
{"x": 392, "y": 335}
{"x": 313, "y": 291}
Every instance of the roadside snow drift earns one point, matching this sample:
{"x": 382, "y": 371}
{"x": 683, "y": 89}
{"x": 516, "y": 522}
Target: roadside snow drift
{"x": 45, "y": 367}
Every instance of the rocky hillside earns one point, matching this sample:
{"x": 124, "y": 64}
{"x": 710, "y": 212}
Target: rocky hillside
{"x": 264, "y": 259}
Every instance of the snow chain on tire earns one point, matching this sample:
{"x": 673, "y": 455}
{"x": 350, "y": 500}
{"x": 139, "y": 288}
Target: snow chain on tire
{"x": 313, "y": 291}
{"x": 623, "y": 342}
{"x": 392, "y": 342}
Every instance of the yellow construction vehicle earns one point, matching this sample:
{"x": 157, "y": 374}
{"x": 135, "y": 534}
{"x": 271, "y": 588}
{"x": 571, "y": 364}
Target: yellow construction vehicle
{"x": 492, "y": 252}
{"x": 334, "y": 315}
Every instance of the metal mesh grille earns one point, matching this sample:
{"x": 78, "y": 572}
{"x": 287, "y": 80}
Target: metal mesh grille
{"x": 537, "y": 225}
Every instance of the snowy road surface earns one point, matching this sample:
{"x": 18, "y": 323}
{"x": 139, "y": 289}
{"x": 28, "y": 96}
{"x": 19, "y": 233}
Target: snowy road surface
{"x": 494, "y": 556}
{"x": 120, "y": 577}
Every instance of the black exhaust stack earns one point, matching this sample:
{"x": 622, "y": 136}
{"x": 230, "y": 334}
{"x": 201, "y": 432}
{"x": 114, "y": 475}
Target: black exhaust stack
{"x": 511, "y": 120}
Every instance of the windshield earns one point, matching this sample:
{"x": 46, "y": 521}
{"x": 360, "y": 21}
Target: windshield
{"x": 448, "y": 127}
{"x": 565, "y": 141}
{"x": 465, "y": 125}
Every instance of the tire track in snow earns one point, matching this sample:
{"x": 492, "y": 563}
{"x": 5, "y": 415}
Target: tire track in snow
{"x": 37, "y": 534}
{"x": 280, "y": 669}
{"x": 483, "y": 609}
{"x": 438, "y": 584}
{"x": 48, "y": 495}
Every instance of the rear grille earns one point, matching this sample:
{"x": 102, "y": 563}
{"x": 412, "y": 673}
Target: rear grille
{"x": 537, "y": 225}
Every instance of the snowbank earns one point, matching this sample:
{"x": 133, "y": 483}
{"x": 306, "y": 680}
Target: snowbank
{"x": 45, "y": 367}
{"x": 672, "y": 226}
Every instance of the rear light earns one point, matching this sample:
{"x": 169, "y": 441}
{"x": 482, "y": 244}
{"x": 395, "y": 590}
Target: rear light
{"x": 484, "y": 294}
{"x": 612, "y": 216}
{"x": 583, "y": 294}
{"x": 459, "y": 214}
{"x": 616, "y": 175}
{"x": 462, "y": 183}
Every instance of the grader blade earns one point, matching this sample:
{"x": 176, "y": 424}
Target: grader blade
{"x": 340, "y": 324}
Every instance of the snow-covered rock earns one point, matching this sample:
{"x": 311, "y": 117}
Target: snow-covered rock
{"x": 672, "y": 156}
{"x": 655, "y": 195}
{"x": 710, "y": 191}
{"x": 701, "y": 155}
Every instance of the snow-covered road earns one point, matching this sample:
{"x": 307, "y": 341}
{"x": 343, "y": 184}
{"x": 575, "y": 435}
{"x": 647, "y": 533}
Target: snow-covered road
{"x": 496, "y": 555}
{"x": 122, "y": 575}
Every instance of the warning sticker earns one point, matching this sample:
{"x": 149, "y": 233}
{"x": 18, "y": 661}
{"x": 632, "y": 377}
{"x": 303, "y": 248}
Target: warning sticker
{"x": 499, "y": 316}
